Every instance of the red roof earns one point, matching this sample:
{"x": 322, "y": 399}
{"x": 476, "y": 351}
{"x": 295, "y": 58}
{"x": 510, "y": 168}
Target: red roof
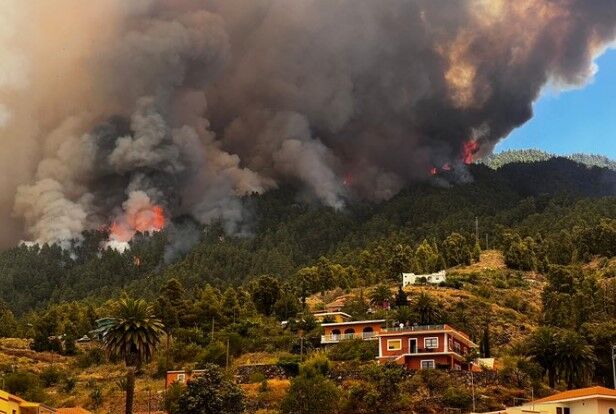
{"x": 581, "y": 393}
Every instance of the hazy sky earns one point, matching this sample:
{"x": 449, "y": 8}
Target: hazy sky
{"x": 581, "y": 120}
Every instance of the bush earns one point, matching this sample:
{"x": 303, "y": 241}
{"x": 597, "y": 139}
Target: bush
{"x": 211, "y": 393}
{"x": 96, "y": 397}
{"x": 21, "y": 382}
{"x": 354, "y": 350}
{"x": 185, "y": 352}
{"x": 69, "y": 384}
{"x": 257, "y": 376}
{"x": 93, "y": 356}
{"x": 172, "y": 397}
{"x": 317, "y": 364}
{"x": 214, "y": 353}
{"x": 50, "y": 376}
{"x": 310, "y": 394}
{"x": 457, "y": 398}
{"x": 290, "y": 364}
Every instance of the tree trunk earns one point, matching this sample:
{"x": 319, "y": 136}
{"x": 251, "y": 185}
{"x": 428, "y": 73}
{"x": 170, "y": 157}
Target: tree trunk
{"x": 130, "y": 389}
{"x": 552, "y": 377}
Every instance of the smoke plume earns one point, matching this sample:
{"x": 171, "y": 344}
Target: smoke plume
{"x": 128, "y": 114}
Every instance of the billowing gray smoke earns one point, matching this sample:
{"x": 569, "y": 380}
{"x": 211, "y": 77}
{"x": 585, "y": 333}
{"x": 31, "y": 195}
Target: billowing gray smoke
{"x": 183, "y": 106}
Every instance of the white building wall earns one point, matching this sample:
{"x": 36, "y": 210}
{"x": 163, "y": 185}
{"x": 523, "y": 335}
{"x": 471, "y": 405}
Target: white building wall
{"x": 431, "y": 278}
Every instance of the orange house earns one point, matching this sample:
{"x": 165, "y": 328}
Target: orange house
{"x": 182, "y": 376}
{"x": 336, "y": 332}
{"x": 424, "y": 347}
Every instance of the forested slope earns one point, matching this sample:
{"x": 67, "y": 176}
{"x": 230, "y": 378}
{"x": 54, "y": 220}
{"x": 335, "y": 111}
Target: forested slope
{"x": 536, "y": 199}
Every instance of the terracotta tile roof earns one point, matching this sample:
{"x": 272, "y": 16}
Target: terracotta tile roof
{"x": 580, "y": 393}
{"x": 72, "y": 410}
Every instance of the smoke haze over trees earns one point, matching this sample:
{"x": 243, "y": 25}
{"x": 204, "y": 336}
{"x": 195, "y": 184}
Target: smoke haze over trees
{"x": 121, "y": 115}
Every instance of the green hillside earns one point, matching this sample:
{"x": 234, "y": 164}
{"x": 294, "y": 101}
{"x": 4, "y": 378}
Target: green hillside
{"x": 496, "y": 161}
{"x": 535, "y": 290}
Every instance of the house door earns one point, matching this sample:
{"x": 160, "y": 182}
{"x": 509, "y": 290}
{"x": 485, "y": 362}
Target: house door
{"x": 412, "y": 346}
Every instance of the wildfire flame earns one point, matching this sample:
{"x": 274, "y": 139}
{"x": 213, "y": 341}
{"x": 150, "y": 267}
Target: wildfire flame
{"x": 433, "y": 171}
{"x": 146, "y": 220}
{"x": 469, "y": 149}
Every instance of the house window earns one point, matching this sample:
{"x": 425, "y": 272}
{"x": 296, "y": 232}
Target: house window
{"x": 427, "y": 364}
{"x": 611, "y": 411}
{"x": 431, "y": 343}
{"x": 394, "y": 344}
{"x": 567, "y": 410}
{"x": 181, "y": 378}
{"x": 457, "y": 367}
{"x": 457, "y": 347}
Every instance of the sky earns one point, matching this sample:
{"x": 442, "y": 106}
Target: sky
{"x": 579, "y": 120}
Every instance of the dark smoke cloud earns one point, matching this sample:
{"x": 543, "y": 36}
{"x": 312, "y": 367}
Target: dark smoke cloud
{"x": 191, "y": 104}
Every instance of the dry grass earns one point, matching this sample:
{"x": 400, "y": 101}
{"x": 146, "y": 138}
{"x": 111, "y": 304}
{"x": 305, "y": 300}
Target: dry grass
{"x": 489, "y": 260}
{"x": 256, "y": 358}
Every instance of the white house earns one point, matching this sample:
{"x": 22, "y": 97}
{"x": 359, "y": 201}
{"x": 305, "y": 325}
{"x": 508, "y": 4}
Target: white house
{"x": 593, "y": 400}
{"x": 433, "y": 278}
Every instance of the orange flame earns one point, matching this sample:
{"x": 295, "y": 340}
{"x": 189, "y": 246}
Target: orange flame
{"x": 469, "y": 149}
{"x": 150, "y": 219}
{"x": 433, "y": 171}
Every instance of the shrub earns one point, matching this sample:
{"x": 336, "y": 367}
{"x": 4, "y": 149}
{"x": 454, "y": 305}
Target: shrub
{"x": 96, "y": 397}
{"x": 310, "y": 394}
{"x": 50, "y": 376}
{"x": 214, "y": 353}
{"x": 354, "y": 350}
{"x": 21, "y": 382}
{"x": 457, "y": 398}
{"x": 69, "y": 384}
{"x": 93, "y": 356}
{"x": 317, "y": 364}
{"x": 172, "y": 397}
{"x": 211, "y": 393}
{"x": 290, "y": 364}
{"x": 257, "y": 376}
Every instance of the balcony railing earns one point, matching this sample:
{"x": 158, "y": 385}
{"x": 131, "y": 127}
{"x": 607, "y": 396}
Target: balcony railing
{"x": 332, "y": 339}
{"x": 416, "y": 328}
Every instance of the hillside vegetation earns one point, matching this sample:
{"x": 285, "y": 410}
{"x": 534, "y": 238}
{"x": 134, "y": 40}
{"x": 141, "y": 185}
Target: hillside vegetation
{"x": 536, "y": 290}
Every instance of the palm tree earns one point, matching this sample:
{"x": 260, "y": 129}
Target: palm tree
{"x": 564, "y": 353}
{"x": 380, "y": 295}
{"x": 541, "y": 347}
{"x": 132, "y": 334}
{"x": 576, "y": 359}
{"x": 427, "y": 308}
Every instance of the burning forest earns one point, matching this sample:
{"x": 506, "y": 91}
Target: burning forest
{"x": 148, "y": 110}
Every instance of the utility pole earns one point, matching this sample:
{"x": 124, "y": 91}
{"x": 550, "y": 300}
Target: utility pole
{"x": 212, "y": 329}
{"x": 473, "y": 386}
{"x": 487, "y": 244}
{"x": 614, "y": 364}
